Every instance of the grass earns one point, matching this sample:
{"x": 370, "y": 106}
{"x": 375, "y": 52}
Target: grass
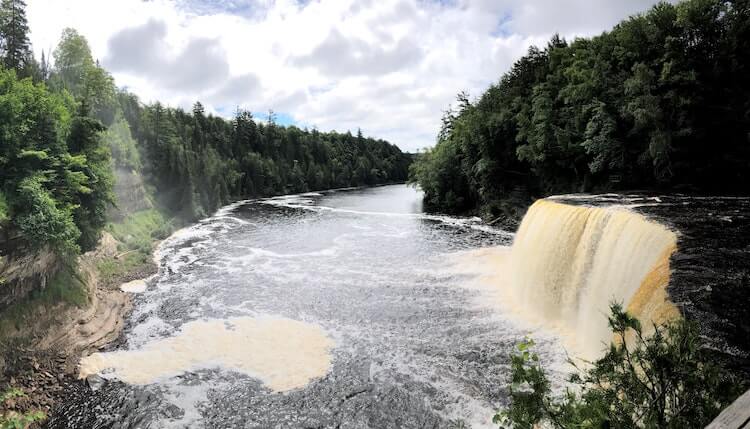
{"x": 136, "y": 236}
{"x": 140, "y": 230}
{"x": 110, "y": 270}
{"x": 67, "y": 287}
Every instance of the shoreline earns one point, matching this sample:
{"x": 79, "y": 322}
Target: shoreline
{"x": 42, "y": 359}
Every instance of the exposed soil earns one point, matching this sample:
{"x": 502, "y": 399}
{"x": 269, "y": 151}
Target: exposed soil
{"x": 41, "y": 359}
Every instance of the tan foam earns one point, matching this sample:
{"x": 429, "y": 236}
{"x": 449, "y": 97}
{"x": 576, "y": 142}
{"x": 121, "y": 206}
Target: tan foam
{"x": 284, "y": 354}
{"x": 134, "y": 286}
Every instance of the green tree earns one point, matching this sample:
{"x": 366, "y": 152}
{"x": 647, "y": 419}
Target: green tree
{"x": 76, "y": 71}
{"x": 630, "y": 108}
{"x": 124, "y": 148}
{"x": 55, "y": 170}
{"x": 14, "y": 36}
{"x": 85, "y": 140}
{"x": 43, "y": 219}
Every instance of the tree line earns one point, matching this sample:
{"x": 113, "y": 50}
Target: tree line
{"x": 65, "y": 126}
{"x": 661, "y": 102}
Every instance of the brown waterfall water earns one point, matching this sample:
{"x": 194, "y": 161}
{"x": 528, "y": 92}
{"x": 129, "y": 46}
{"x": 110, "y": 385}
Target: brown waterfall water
{"x": 568, "y": 263}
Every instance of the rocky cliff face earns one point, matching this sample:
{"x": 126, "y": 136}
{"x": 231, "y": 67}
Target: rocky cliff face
{"x": 22, "y": 271}
{"x": 130, "y": 193}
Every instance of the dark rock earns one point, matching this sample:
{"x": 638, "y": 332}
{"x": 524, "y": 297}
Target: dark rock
{"x": 95, "y": 382}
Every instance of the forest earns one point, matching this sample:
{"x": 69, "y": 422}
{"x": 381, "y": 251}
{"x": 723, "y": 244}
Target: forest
{"x": 660, "y": 102}
{"x": 65, "y": 127}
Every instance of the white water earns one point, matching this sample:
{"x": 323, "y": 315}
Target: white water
{"x": 376, "y": 281}
{"x": 366, "y": 268}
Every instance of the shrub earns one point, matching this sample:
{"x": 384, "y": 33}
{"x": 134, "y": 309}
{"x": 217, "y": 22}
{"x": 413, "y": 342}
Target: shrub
{"x": 666, "y": 380}
{"x": 44, "y": 221}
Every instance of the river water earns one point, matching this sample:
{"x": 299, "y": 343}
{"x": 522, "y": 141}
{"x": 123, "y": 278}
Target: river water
{"x": 342, "y": 309}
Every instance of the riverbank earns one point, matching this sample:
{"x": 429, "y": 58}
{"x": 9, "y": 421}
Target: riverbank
{"x": 44, "y": 339}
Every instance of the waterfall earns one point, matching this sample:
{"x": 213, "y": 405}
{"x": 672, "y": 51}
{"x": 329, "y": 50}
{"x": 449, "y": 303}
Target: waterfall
{"x": 568, "y": 263}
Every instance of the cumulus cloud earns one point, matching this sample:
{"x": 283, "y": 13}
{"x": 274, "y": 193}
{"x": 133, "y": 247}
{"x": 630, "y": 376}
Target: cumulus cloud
{"x": 236, "y": 90}
{"x": 339, "y": 55}
{"x": 143, "y": 50}
{"x": 390, "y": 67}
{"x": 565, "y": 17}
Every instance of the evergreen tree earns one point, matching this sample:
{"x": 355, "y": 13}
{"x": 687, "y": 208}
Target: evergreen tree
{"x": 14, "y": 36}
{"x": 85, "y": 140}
{"x": 44, "y": 68}
{"x": 78, "y": 72}
{"x": 631, "y": 108}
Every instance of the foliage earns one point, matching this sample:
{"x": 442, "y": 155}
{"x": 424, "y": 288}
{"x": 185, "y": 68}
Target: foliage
{"x": 665, "y": 380}
{"x": 199, "y": 162}
{"x": 124, "y": 150}
{"x": 3, "y": 208}
{"x": 15, "y": 48}
{"x": 67, "y": 287}
{"x": 660, "y": 101}
{"x": 136, "y": 236}
{"x": 112, "y": 272}
{"x": 141, "y": 229}
{"x": 13, "y": 420}
{"x": 76, "y": 72}
{"x": 41, "y": 220}
{"x": 85, "y": 141}
{"x": 54, "y": 168}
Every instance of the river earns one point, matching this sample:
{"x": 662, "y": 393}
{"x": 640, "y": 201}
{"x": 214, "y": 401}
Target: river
{"x": 345, "y": 308}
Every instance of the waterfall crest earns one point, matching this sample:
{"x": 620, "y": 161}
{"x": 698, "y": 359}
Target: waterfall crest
{"x": 569, "y": 262}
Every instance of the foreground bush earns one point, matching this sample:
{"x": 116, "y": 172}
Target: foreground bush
{"x": 665, "y": 380}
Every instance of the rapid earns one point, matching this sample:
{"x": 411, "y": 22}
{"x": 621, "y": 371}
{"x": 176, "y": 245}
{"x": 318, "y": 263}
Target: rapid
{"x": 347, "y": 308}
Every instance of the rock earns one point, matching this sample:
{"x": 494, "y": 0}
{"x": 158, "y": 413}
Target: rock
{"x": 95, "y": 382}
{"x": 172, "y": 411}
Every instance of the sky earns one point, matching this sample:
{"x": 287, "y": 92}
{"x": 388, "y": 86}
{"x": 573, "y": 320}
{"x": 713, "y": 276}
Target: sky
{"x": 389, "y": 67}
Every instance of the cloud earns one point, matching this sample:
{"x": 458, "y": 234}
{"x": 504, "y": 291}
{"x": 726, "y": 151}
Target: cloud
{"x": 348, "y": 56}
{"x": 143, "y": 50}
{"x": 135, "y": 49}
{"x": 565, "y": 17}
{"x": 390, "y": 67}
